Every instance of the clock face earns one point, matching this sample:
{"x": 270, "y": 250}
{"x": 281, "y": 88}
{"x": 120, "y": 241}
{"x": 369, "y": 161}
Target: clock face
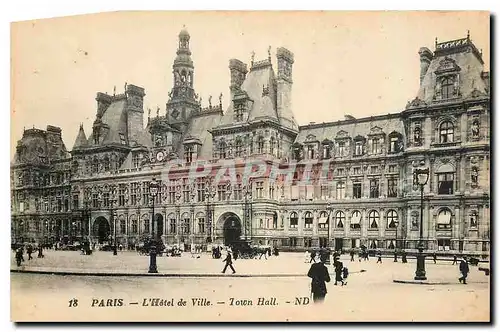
{"x": 160, "y": 155}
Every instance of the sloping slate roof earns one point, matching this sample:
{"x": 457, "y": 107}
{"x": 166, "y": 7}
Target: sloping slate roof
{"x": 360, "y": 127}
{"x": 81, "y": 139}
{"x": 256, "y": 80}
{"x": 265, "y": 110}
{"x": 144, "y": 138}
{"x": 470, "y": 76}
{"x": 116, "y": 118}
{"x": 198, "y": 128}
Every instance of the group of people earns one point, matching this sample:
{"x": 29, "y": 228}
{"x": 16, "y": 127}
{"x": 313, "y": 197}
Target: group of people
{"x": 29, "y": 250}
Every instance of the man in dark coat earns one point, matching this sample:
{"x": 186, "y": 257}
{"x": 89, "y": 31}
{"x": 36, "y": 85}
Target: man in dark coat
{"x": 434, "y": 257}
{"x": 352, "y": 255}
{"x": 338, "y": 271}
{"x": 403, "y": 257}
{"x": 395, "y": 256}
{"x": 19, "y": 256}
{"x": 320, "y": 276}
{"x": 229, "y": 262}
{"x": 29, "y": 250}
{"x": 40, "y": 251}
{"x": 464, "y": 270}
{"x": 379, "y": 257}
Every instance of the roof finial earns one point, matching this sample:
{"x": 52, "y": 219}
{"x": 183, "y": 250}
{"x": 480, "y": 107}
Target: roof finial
{"x": 253, "y": 57}
{"x": 149, "y": 113}
{"x": 114, "y": 90}
{"x": 468, "y": 34}
{"x": 220, "y": 99}
{"x": 125, "y": 86}
{"x": 157, "y": 111}
{"x": 269, "y": 52}
{"x": 436, "y": 41}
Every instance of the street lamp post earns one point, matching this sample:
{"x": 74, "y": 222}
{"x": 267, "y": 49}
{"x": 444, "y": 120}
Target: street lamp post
{"x": 420, "y": 177}
{"x": 329, "y": 208}
{"x": 396, "y": 224}
{"x": 113, "y": 196}
{"x": 153, "y": 190}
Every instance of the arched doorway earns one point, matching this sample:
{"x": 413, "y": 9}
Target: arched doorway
{"x": 102, "y": 229}
{"x": 159, "y": 224}
{"x": 231, "y": 228}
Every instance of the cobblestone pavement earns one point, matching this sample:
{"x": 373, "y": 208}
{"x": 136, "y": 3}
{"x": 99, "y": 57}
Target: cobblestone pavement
{"x": 369, "y": 296}
{"x": 284, "y": 264}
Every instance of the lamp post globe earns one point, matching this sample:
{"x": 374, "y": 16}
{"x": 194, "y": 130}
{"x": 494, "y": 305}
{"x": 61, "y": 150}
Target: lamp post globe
{"x": 421, "y": 176}
{"x": 153, "y": 191}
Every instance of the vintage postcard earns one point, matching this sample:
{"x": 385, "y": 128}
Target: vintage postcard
{"x": 251, "y": 166}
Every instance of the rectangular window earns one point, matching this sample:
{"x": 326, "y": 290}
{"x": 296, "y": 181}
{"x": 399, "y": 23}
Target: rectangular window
{"x": 294, "y": 222}
{"x": 136, "y": 161}
{"x": 444, "y": 244}
{"x": 392, "y": 187}
{"x": 122, "y": 139}
{"x": 105, "y": 199}
{"x": 392, "y": 168}
{"x": 358, "y": 148}
{"x": 356, "y": 170}
{"x": 374, "y": 188}
{"x": 221, "y": 192}
{"x": 375, "y": 146}
{"x": 340, "y": 190}
{"x": 271, "y": 192}
{"x": 356, "y": 190}
{"x": 134, "y": 226}
{"x": 259, "y": 188}
{"x": 171, "y": 194}
{"x": 325, "y": 192}
{"x": 201, "y": 191}
{"x": 185, "y": 226}
{"x": 326, "y": 152}
{"x": 293, "y": 242}
{"x": 340, "y": 172}
{"x": 373, "y": 169}
{"x": 76, "y": 203}
{"x": 445, "y": 183}
{"x": 145, "y": 193}
{"x": 201, "y": 225}
{"x": 238, "y": 192}
{"x": 173, "y": 226}
{"x": 342, "y": 149}
{"x": 121, "y": 196}
{"x": 133, "y": 193}
{"x": 185, "y": 190}
{"x": 59, "y": 205}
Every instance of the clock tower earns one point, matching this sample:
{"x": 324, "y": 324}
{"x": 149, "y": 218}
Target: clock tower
{"x": 182, "y": 98}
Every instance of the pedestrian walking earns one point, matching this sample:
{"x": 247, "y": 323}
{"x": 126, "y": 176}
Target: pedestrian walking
{"x": 19, "y": 256}
{"x": 229, "y": 262}
{"x": 338, "y": 271}
{"x": 454, "y": 259}
{"x": 379, "y": 257}
{"x": 320, "y": 276}
{"x": 395, "y": 256}
{"x": 307, "y": 256}
{"x": 29, "y": 250}
{"x": 352, "y": 255}
{"x": 313, "y": 257}
{"x": 40, "y": 252}
{"x": 464, "y": 270}
{"x": 345, "y": 274}
{"x": 403, "y": 257}
{"x": 193, "y": 251}
{"x": 434, "y": 256}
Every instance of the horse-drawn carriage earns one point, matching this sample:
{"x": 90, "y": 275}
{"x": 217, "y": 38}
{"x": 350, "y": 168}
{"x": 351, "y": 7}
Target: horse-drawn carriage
{"x": 144, "y": 247}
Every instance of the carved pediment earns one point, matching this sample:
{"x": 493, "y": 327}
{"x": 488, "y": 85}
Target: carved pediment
{"x": 447, "y": 65}
{"x": 376, "y": 131}
{"x": 476, "y": 94}
{"x": 310, "y": 138}
{"x": 342, "y": 134}
{"x": 415, "y": 103}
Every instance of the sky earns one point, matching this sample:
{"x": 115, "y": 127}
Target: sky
{"x": 356, "y": 63}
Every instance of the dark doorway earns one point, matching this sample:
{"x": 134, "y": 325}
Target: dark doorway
{"x": 159, "y": 225}
{"x": 102, "y": 229}
{"x": 338, "y": 244}
{"x": 232, "y": 228}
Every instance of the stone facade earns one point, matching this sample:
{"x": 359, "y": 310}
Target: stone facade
{"x": 360, "y": 187}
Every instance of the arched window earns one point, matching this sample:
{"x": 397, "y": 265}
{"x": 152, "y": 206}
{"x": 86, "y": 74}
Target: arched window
{"x": 339, "y": 219}
{"x": 272, "y": 145}
{"x": 444, "y": 219}
{"x": 294, "y": 220}
{"x": 133, "y": 222}
{"x": 123, "y": 227}
{"x": 446, "y": 131}
{"x": 308, "y": 220}
{"x": 107, "y": 164}
{"x": 417, "y": 136}
{"x": 260, "y": 144}
{"x": 447, "y": 88}
{"x": 392, "y": 219}
{"x": 323, "y": 220}
{"x": 356, "y": 219}
{"x": 222, "y": 150}
{"x": 373, "y": 218}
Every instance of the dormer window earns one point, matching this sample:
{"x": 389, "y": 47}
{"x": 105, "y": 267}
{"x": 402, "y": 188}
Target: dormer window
{"x": 446, "y": 131}
{"x": 447, "y": 88}
{"x": 310, "y": 152}
{"x": 395, "y": 142}
{"x": 188, "y": 153}
{"x": 417, "y": 136}
{"x": 326, "y": 151}
{"x": 272, "y": 145}
{"x": 260, "y": 145}
{"x": 375, "y": 146}
{"x": 239, "y": 109}
{"x": 341, "y": 149}
{"x": 239, "y": 148}
{"x": 358, "y": 148}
